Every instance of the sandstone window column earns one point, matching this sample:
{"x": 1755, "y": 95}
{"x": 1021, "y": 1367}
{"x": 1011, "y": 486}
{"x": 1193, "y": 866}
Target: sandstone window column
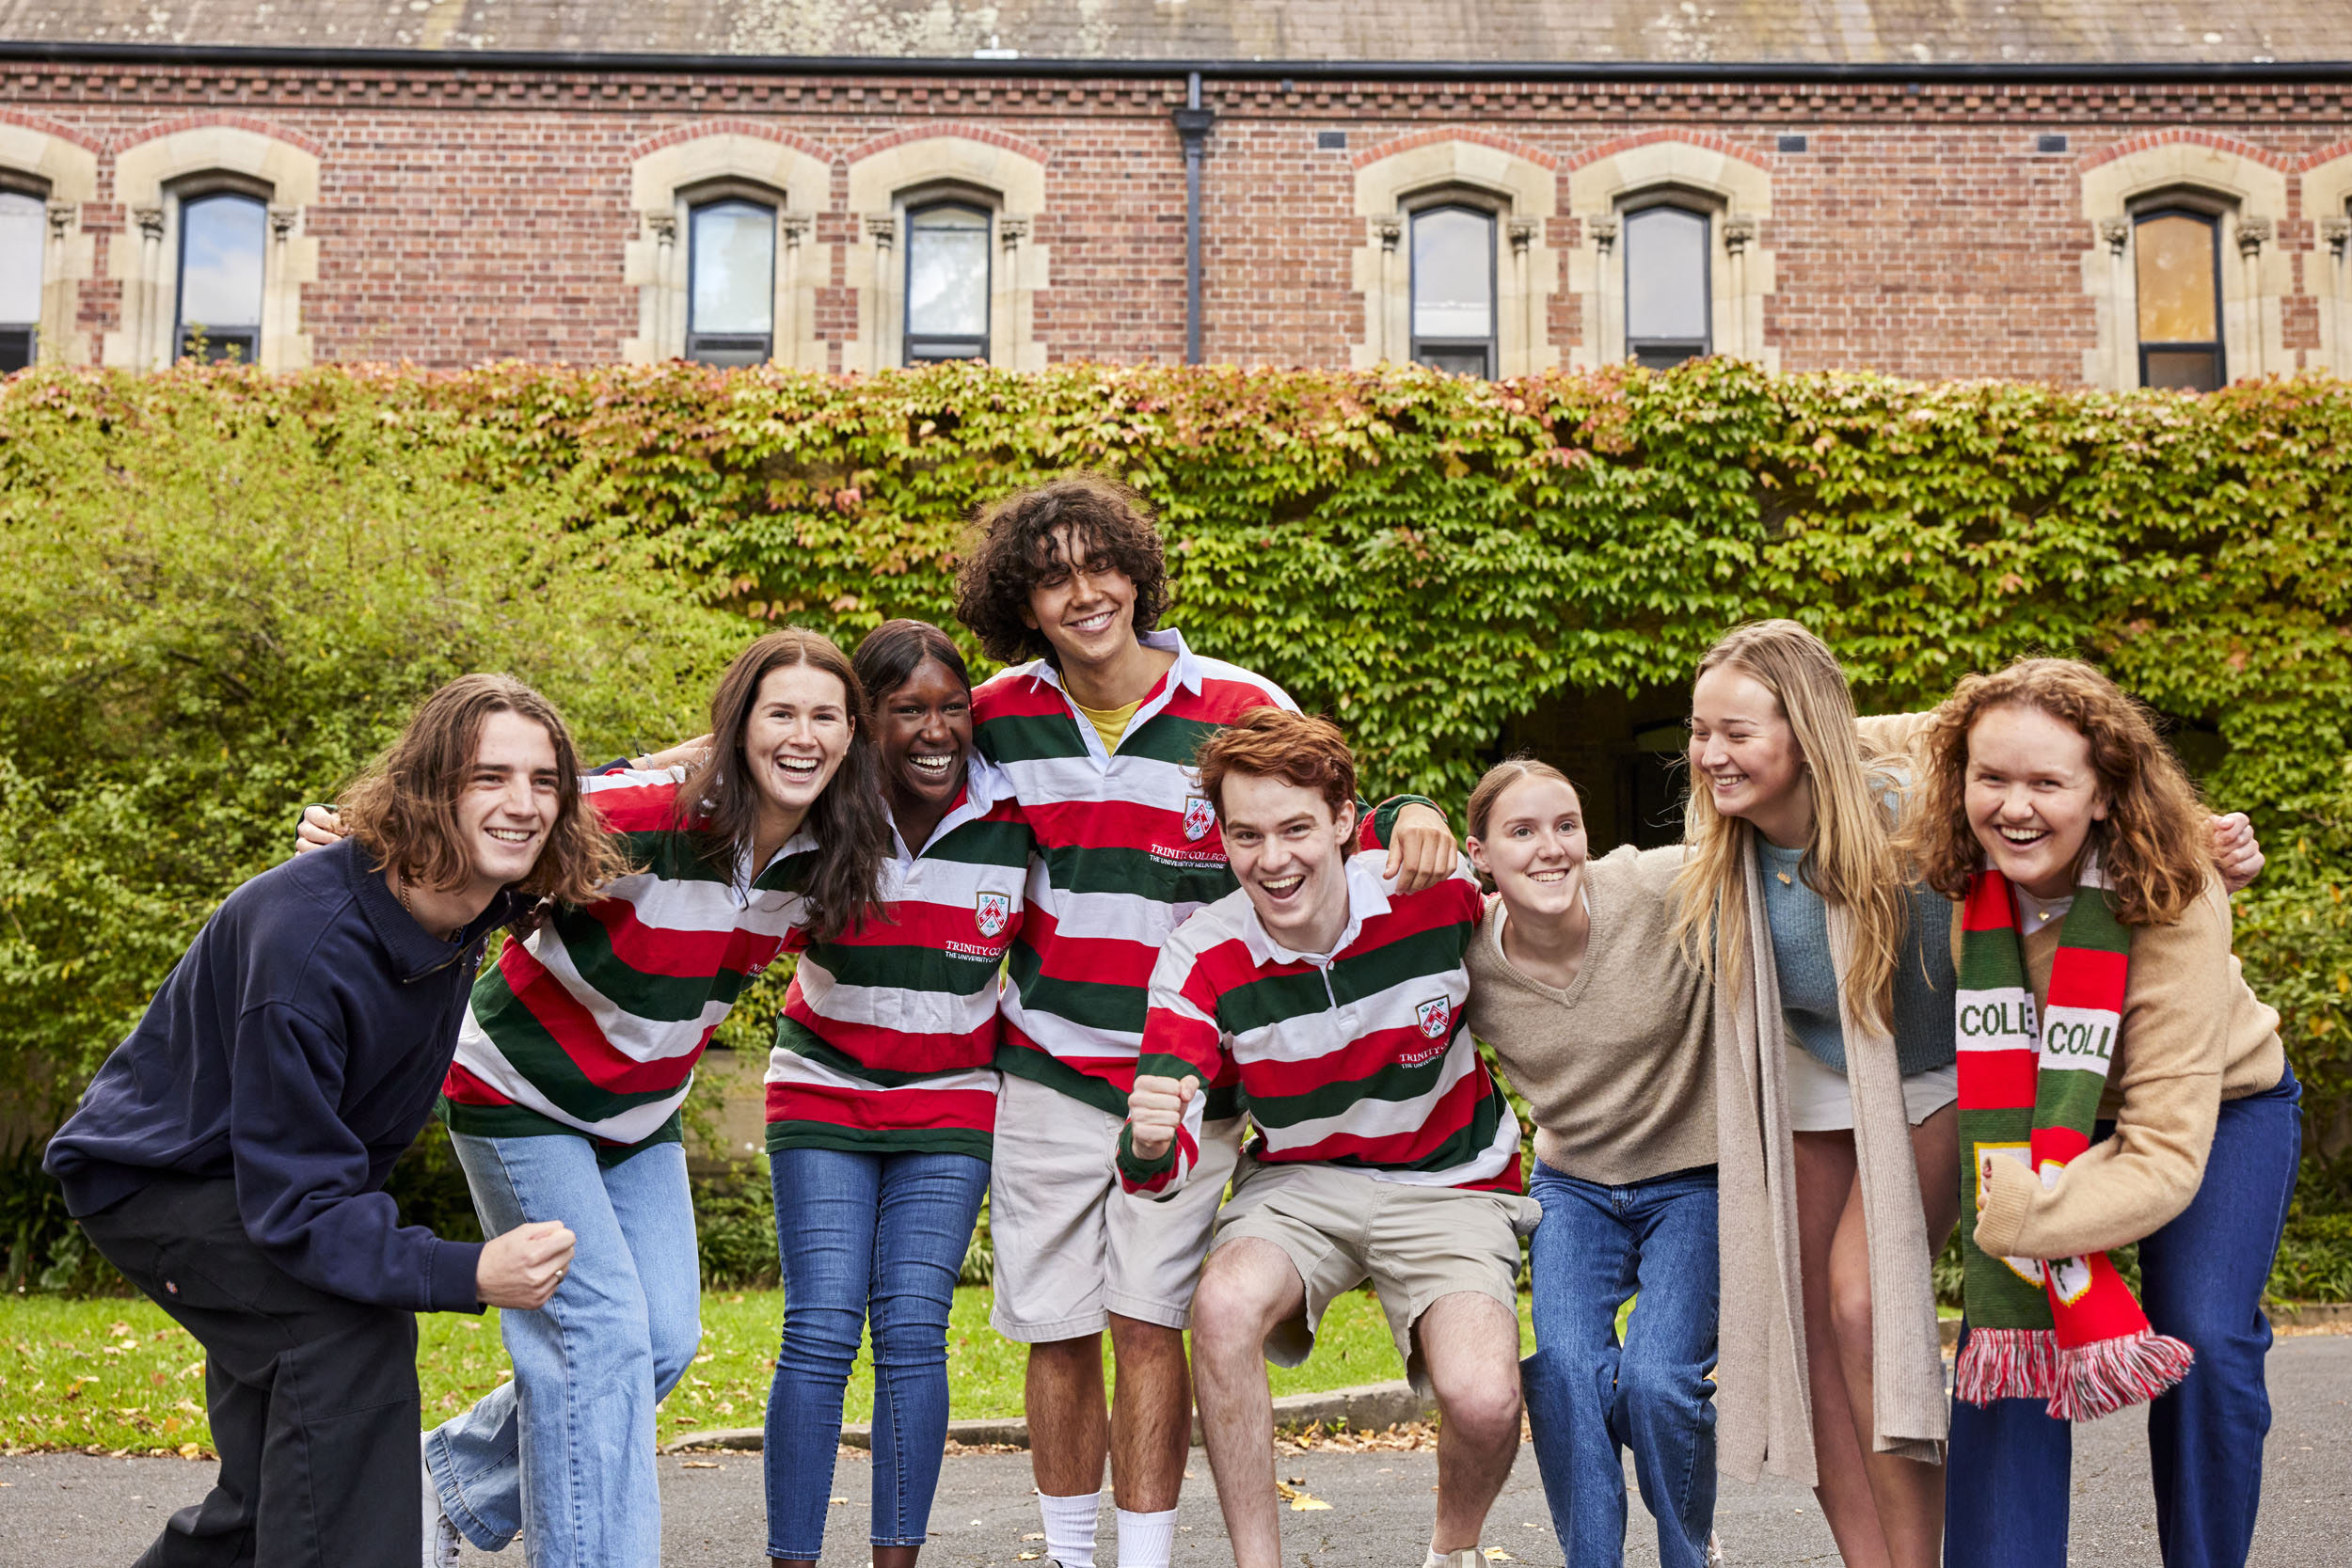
{"x": 790, "y": 328}
{"x": 154, "y": 322}
{"x": 883, "y": 234}
{"x": 2253, "y": 233}
{"x": 2336, "y": 298}
{"x": 668, "y": 322}
{"x": 1381, "y": 326}
{"x": 2123, "y": 297}
{"x": 1523, "y": 233}
{"x": 1738, "y": 234}
{"x": 1605, "y": 291}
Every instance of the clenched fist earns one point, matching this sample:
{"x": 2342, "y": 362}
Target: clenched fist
{"x": 523, "y": 1267}
{"x": 1155, "y": 1109}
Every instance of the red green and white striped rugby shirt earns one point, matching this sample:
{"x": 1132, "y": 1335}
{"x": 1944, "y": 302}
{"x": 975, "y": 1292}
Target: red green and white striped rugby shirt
{"x": 888, "y": 1034}
{"x": 1360, "y": 1059}
{"x": 594, "y": 1022}
{"x": 1127, "y": 848}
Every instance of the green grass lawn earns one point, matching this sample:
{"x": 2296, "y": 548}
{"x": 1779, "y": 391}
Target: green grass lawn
{"x": 120, "y": 1375}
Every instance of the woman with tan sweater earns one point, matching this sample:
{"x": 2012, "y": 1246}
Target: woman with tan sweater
{"x": 2112, "y": 1051}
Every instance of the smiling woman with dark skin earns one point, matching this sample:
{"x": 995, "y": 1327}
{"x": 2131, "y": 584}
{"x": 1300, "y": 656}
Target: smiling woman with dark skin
{"x": 881, "y": 1108}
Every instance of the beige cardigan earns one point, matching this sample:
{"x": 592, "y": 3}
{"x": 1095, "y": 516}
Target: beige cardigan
{"x": 1765, "y": 1417}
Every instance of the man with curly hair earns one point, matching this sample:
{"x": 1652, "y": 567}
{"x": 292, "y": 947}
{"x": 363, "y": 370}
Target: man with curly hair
{"x": 1096, "y": 725}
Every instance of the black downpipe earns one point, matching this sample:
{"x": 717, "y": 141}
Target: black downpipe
{"x": 1192, "y": 128}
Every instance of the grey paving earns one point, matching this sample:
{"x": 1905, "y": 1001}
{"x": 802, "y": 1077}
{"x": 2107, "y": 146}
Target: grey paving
{"x": 67, "y": 1508}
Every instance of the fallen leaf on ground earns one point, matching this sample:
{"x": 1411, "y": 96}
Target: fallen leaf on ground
{"x": 1299, "y": 1499}
{"x": 700, "y": 1465}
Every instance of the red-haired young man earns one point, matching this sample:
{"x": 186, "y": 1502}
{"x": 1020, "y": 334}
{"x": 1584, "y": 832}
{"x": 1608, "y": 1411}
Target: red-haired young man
{"x": 1384, "y": 1149}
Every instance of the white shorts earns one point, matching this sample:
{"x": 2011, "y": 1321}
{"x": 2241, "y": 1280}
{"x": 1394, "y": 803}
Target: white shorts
{"x": 1071, "y": 1245}
{"x": 1820, "y": 1101}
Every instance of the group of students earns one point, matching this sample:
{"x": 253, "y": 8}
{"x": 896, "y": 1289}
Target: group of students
{"x": 1061, "y": 940}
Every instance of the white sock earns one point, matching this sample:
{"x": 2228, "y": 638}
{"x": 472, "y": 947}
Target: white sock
{"x": 1070, "y": 1527}
{"x": 1146, "y": 1540}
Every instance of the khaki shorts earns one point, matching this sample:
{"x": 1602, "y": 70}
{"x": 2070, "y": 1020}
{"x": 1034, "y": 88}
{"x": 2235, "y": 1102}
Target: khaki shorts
{"x": 1341, "y": 1228}
{"x": 1071, "y": 1245}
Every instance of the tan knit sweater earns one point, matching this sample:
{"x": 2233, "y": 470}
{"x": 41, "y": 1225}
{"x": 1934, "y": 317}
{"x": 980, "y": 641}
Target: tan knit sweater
{"x": 1619, "y": 1065}
{"x": 2193, "y": 1036}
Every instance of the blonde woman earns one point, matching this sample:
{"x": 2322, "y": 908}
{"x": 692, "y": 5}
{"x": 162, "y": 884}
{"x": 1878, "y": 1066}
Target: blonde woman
{"x": 1835, "y": 1085}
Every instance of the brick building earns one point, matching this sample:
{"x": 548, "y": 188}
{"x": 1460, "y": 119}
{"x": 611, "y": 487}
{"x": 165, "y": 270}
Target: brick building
{"x": 2108, "y": 192}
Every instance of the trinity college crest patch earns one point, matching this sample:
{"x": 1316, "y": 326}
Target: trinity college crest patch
{"x": 993, "y": 911}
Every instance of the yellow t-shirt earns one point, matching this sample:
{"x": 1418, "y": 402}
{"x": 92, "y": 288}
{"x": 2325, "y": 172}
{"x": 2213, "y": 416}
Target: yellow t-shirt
{"x": 1109, "y": 723}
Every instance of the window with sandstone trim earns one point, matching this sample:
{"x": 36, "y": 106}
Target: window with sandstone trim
{"x": 1671, "y": 262}
{"x": 2189, "y": 286}
{"x": 2177, "y": 268}
{"x": 947, "y": 283}
{"x": 1455, "y": 269}
{"x": 1667, "y": 295}
{"x": 45, "y": 256}
{"x": 1452, "y": 286}
{"x": 731, "y": 295}
{"x": 223, "y": 250}
{"x": 216, "y": 242}
{"x": 23, "y": 233}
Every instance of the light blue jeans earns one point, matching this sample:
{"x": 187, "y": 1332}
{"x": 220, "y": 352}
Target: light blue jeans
{"x": 564, "y": 1451}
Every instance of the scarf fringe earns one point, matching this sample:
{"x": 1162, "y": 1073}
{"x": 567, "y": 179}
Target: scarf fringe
{"x": 2101, "y": 1378}
{"x": 2008, "y": 1363}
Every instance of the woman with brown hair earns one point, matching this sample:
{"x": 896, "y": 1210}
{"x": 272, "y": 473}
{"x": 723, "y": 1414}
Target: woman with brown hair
{"x": 2111, "y": 1051}
{"x": 230, "y": 1156}
{"x": 574, "y": 1058}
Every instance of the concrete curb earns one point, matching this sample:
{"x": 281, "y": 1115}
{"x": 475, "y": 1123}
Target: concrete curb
{"x": 1367, "y": 1407}
{"x": 1371, "y": 1406}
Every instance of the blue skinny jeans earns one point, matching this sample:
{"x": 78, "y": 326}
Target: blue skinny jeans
{"x": 879, "y": 1236}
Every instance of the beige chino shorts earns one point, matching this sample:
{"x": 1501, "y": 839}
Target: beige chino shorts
{"x": 1341, "y": 1228}
{"x": 1071, "y": 1245}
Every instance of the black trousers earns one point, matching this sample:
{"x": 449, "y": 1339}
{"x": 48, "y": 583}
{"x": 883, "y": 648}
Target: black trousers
{"x": 312, "y": 1397}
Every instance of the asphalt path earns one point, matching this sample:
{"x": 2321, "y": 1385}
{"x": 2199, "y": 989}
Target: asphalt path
{"x": 72, "y": 1509}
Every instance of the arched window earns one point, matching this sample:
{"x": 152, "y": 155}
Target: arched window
{"x": 1668, "y": 299}
{"x": 23, "y": 233}
{"x": 223, "y": 242}
{"x": 731, "y": 296}
{"x": 948, "y": 283}
{"x": 1454, "y": 289}
{"x": 2177, "y": 278}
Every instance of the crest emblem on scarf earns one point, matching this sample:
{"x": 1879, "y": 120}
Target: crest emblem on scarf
{"x": 993, "y": 911}
{"x": 1433, "y": 1016}
{"x": 1199, "y": 817}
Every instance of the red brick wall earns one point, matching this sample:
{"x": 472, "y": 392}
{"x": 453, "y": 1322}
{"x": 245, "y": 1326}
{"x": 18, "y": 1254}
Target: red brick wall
{"x": 465, "y": 217}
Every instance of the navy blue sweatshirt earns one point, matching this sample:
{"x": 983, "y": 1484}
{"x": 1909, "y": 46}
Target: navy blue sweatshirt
{"x": 296, "y": 1047}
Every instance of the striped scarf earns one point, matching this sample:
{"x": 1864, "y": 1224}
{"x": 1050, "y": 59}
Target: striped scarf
{"x": 2068, "y": 1330}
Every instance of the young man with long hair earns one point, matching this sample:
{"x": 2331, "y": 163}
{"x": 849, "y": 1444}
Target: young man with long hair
{"x": 572, "y": 1064}
{"x": 1096, "y": 725}
{"x": 230, "y": 1156}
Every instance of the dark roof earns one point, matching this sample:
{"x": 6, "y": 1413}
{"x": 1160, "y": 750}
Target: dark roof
{"x": 1826, "y": 33}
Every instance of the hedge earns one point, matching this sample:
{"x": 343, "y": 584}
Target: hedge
{"x": 1426, "y": 558}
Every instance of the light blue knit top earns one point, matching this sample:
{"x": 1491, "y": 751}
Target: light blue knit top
{"x": 1809, "y": 980}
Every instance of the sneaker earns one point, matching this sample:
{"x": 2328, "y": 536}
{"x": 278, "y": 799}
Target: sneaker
{"x": 440, "y": 1536}
{"x": 1469, "y": 1557}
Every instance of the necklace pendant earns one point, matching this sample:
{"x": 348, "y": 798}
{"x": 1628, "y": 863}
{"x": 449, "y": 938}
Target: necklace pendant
{"x": 1784, "y": 877}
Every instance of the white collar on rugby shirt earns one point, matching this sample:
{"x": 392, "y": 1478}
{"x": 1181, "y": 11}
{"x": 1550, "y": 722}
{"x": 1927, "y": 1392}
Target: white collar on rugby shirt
{"x": 1185, "y": 671}
{"x": 1367, "y": 896}
{"x": 984, "y": 785}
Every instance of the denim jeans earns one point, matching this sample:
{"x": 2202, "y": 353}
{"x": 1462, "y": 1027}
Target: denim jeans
{"x": 2202, "y": 1280}
{"x": 1590, "y": 1398}
{"x": 860, "y": 1234}
{"x": 564, "y": 1451}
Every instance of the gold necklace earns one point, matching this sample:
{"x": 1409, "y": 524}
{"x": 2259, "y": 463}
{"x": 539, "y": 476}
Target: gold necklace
{"x": 401, "y": 892}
